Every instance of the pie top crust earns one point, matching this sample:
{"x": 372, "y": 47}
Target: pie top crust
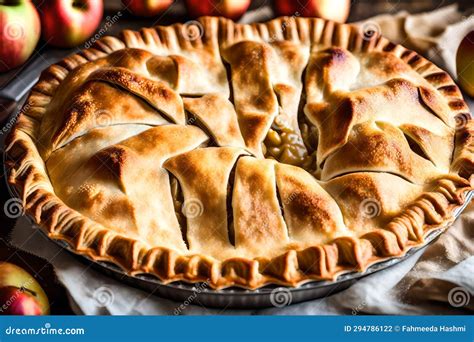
{"x": 276, "y": 152}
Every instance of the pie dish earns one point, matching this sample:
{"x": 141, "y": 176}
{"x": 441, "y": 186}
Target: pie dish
{"x": 244, "y": 155}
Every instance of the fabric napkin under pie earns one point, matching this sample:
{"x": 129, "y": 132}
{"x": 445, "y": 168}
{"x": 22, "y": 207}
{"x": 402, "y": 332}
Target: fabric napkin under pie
{"x": 436, "y": 280}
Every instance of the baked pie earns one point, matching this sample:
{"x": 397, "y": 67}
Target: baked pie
{"x": 278, "y": 152}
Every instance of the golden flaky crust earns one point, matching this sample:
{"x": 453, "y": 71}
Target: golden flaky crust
{"x": 106, "y": 135}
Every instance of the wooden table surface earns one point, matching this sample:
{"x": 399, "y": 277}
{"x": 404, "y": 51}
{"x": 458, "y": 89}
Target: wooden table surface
{"x": 45, "y": 272}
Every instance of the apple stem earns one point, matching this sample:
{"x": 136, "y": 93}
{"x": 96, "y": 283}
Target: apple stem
{"x": 11, "y": 2}
{"x": 79, "y": 4}
{"x": 24, "y": 289}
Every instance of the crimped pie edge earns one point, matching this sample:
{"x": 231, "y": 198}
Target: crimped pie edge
{"x": 432, "y": 210}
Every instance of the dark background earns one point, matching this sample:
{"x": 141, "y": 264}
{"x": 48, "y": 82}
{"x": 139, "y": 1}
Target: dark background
{"x": 13, "y": 83}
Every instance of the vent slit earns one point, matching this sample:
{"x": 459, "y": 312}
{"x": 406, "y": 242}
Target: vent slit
{"x": 228, "y": 73}
{"x": 229, "y": 198}
{"x": 284, "y": 140}
{"x": 178, "y": 200}
{"x": 416, "y": 148}
{"x": 428, "y": 108}
{"x": 74, "y": 137}
{"x": 342, "y": 174}
{"x": 309, "y": 132}
{"x": 141, "y": 97}
{"x": 282, "y": 209}
{"x": 194, "y": 120}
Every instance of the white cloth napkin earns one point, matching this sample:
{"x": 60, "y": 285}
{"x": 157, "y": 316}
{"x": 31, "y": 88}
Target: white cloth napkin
{"x": 437, "y": 280}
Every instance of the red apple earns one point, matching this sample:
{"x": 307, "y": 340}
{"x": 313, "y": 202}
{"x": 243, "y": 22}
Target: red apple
{"x": 335, "y": 10}
{"x": 19, "y": 32}
{"x": 16, "y": 301}
{"x": 232, "y": 9}
{"x": 146, "y": 8}
{"x": 68, "y": 23}
{"x": 20, "y": 293}
{"x": 465, "y": 64}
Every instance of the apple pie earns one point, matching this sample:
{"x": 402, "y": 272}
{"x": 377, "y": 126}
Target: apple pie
{"x": 243, "y": 155}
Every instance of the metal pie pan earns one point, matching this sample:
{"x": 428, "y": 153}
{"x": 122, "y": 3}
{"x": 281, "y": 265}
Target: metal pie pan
{"x": 238, "y": 298}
